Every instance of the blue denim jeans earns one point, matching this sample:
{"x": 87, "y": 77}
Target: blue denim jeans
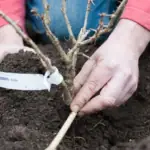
{"x": 75, "y": 11}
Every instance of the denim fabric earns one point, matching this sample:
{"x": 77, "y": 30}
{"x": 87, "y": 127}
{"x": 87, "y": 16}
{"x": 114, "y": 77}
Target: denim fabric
{"x": 75, "y": 11}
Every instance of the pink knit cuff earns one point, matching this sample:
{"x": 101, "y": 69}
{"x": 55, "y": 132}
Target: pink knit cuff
{"x": 138, "y": 11}
{"x": 15, "y": 10}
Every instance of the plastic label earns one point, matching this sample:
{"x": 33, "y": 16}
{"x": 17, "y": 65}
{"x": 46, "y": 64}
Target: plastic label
{"x": 30, "y": 82}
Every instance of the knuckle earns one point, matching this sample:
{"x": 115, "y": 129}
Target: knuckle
{"x": 92, "y": 86}
{"x": 132, "y": 90}
{"x": 135, "y": 87}
{"x": 127, "y": 73}
{"x": 134, "y": 83}
{"x": 76, "y": 81}
{"x": 134, "y": 80}
{"x": 111, "y": 65}
{"x": 110, "y": 103}
{"x": 83, "y": 101}
{"x": 97, "y": 58}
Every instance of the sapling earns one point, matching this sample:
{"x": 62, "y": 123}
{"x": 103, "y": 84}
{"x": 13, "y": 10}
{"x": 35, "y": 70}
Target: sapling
{"x": 69, "y": 57}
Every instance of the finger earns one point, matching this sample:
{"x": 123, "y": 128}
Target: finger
{"x": 97, "y": 79}
{"x": 125, "y": 98}
{"x": 112, "y": 95}
{"x": 127, "y": 92}
{"x": 115, "y": 87}
{"x": 15, "y": 49}
{"x": 83, "y": 74}
{"x": 28, "y": 49}
{"x": 12, "y": 49}
{"x": 96, "y": 104}
{"x": 2, "y": 55}
{"x": 128, "y": 95}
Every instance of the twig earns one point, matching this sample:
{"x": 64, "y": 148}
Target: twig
{"x": 77, "y": 45}
{"x": 46, "y": 12}
{"x": 110, "y": 25}
{"x": 101, "y": 25}
{"x": 86, "y": 16}
{"x": 80, "y": 138}
{"x": 67, "y": 22}
{"x": 92, "y": 39}
{"x": 73, "y": 53}
{"x": 84, "y": 55}
{"x": 56, "y": 43}
{"x": 117, "y": 13}
{"x": 54, "y": 144}
{"x": 45, "y": 60}
{"x": 97, "y": 124}
{"x": 74, "y": 59}
{"x": 53, "y": 38}
{"x": 82, "y": 35}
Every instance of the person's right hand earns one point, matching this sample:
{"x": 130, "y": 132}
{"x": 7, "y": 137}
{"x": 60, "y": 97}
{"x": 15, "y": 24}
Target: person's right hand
{"x": 112, "y": 70}
{"x": 10, "y": 42}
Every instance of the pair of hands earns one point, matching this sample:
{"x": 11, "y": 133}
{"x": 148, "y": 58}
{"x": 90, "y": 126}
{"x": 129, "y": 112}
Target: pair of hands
{"x": 113, "y": 68}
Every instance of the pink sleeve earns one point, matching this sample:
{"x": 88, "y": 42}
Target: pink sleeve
{"x": 138, "y": 11}
{"x": 15, "y": 9}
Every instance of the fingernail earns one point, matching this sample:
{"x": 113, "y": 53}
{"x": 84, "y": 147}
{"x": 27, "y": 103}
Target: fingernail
{"x": 75, "y": 108}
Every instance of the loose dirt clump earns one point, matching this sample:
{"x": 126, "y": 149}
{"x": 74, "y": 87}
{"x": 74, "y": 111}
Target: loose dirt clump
{"x": 30, "y": 120}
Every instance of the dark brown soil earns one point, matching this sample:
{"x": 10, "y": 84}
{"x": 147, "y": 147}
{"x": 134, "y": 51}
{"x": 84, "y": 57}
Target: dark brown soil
{"x": 30, "y": 120}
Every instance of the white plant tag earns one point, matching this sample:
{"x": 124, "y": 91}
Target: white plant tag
{"x": 54, "y": 78}
{"x": 29, "y": 82}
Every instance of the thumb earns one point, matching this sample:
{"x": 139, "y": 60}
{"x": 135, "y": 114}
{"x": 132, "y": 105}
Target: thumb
{"x": 13, "y": 48}
{"x": 2, "y": 55}
{"x": 28, "y": 49}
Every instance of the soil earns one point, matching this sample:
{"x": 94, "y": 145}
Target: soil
{"x": 30, "y": 120}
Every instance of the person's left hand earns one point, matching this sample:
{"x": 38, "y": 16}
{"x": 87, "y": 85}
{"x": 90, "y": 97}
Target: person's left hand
{"x": 10, "y": 42}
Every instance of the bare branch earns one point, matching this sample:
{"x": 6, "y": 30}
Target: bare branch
{"x": 77, "y": 45}
{"x": 101, "y": 25}
{"x": 53, "y": 38}
{"x": 46, "y": 21}
{"x": 82, "y": 35}
{"x": 100, "y": 31}
{"x": 83, "y": 29}
{"x": 56, "y": 43}
{"x": 86, "y": 16}
{"x": 45, "y": 60}
{"x": 74, "y": 61}
{"x": 46, "y": 12}
{"x": 84, "y": 55}
{"x": 67, "y": 22}
{"x": 54, "y": 144}
{"x": 117, "y": 13}
{"x": 109, "y": 27}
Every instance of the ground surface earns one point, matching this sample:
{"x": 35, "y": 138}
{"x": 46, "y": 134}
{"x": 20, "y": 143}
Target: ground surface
{"x": 30, "y": 120}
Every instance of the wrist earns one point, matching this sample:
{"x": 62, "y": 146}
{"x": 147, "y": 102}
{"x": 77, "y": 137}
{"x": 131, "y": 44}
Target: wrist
{"x": 132, "y": 35}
